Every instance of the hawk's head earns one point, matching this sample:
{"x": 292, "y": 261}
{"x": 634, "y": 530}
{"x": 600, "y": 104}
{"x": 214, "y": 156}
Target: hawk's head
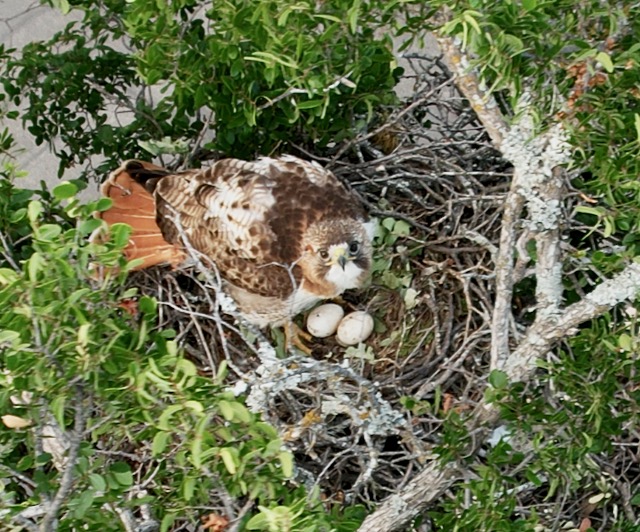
{"x": 336, "y": 256}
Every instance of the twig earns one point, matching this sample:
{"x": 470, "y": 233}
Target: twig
{"x": 6, "y": 253}
{"x": 393, "y": 120}
{"x": 49, "y": 521}
{"x": 293, "y": 90}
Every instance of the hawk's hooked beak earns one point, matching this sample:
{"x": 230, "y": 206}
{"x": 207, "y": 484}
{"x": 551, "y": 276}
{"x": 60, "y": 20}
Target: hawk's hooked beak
{"x": 340, "y": 256}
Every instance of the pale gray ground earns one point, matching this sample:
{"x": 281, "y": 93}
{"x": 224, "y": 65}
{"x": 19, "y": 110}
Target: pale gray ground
{"x": 23, "y": 21}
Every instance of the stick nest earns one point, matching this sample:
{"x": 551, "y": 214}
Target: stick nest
{"x": 361, "y": 421}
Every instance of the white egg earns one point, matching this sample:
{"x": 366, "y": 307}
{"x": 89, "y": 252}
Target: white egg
{"x": 323, "y": 320}
{"x": 355, "y": 328}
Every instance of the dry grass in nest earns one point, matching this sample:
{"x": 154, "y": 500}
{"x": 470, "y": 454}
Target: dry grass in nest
{"x": 431, "y": 166}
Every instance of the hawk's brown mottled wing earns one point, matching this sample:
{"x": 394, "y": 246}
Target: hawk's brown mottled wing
{"x": 249, "y": 217}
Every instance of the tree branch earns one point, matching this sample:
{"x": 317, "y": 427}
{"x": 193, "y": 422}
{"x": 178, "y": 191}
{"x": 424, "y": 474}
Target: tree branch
{"x": 49, "y": 521}
{"x": 469, "y": 84}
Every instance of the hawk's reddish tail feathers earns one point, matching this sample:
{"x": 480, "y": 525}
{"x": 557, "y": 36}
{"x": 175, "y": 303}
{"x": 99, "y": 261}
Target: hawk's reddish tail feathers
{"x": 131, "y": 188}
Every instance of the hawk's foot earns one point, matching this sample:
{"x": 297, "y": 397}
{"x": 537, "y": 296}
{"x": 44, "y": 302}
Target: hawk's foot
{"x": 294, "y": 337}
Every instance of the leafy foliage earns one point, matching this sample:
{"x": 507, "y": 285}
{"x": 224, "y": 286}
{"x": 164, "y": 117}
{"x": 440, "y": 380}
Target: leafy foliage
{"x": 119, "y": 386}
{"x": 244, "y": 78}
{"x": 577, "y": 60}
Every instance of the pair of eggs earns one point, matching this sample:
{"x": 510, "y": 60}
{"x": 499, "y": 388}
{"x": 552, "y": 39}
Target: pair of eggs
{"x": 329, "y": 318}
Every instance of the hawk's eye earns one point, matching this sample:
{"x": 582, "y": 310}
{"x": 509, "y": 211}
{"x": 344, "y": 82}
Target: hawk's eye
{"x": 354, "y": 247}
{"x": 324, "y": 254}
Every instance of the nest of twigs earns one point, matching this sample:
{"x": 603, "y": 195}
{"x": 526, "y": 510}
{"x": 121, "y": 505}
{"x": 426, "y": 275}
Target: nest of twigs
{"x": 430, "y": 165}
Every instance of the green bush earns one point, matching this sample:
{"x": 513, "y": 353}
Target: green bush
{"x": 143, "y": 427}
{"x": 244, "y": 78}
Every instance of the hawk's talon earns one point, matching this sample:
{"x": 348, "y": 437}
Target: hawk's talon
{"x": 293, "y": 337}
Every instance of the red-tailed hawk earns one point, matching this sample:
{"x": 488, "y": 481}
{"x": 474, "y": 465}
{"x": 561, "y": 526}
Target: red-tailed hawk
{"x": 284, "y": 233}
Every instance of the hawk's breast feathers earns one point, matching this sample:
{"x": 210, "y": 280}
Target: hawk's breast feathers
{"x": 283, "y": 232}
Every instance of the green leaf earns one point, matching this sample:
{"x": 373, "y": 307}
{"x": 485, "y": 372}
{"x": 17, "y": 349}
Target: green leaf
{"x": 98, "y": 482}
{"x": 498, "y": 379}
{"x": 228, "y": 459}
{"x": 196, "y": 406}
{"x": 64, "y": 190}
{"x": 7, "y": 276}
{"x": 120, "y": 234}
{"x": 241, "y": 413}
{"x": 9, "y": 337}
{"x": 234, "y": 411}
{"x": 159, "y": 443}
{"x": 78, "y": 295}
{"x": 163, "y": 421}
{"x": 34, "y": 209}
{"x": 196, "y": 451}
{"x": 226, "y": 410}
{"x": 104, "y": 204}
{"x": 83, "y": 503}
{"x": 532, "y": 477}
{"x": 26, "y": 462}
{"x": 353, "y": 15}
{"x": 17, "y": 215}
{"x": 122, "y": 473}
{"x": 147, "y": 305}
{"x": 272, "y": 58}
{"x": 388, "y": 223}
{"x": 35, "y": 264}
{"x": 586, "y": 209}
{"x": 83, "y": 334}
{"x": 625, "y": 342}
{"x": 188, "y": 488}
{"x": 401, "y": 228}
{"x": 309, "y": 104}
{"x": 609, "y": 226}
{"x": 89, "y": 226}
{"x": 470, "y": 17}
{"x": 605, "y": 60}
{"x": 57, "y": 409}
{"x": 43, "y": 459}
{"x": 258, "y": 522}
{"x": 286, "y": 461}
{"x": 167, "y": 522}
{"x": 529, "y": 5}
{"x": 62, "y": 5}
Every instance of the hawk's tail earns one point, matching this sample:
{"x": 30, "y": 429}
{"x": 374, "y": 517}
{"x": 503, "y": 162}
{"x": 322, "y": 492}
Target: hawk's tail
{"x": 131, "y": 188}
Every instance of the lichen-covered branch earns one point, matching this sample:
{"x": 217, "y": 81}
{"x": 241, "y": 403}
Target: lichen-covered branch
{"x": 423, "y": 490}
{"x": 505, "y": 279}
{"x": 68, "y": 474}
{"x": 545, "y": 332}
{"x": 537, "y": 159}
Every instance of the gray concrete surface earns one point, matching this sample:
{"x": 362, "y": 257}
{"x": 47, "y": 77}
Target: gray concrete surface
{"x": 21, "y": 22}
